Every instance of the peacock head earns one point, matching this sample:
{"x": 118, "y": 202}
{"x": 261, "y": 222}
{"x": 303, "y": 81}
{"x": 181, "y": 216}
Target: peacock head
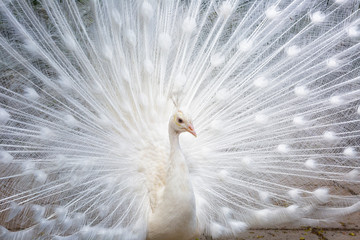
{"x": 181, "y": 123}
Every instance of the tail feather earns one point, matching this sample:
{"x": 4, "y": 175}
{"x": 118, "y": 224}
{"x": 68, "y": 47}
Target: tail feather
{"x": 87, "y": 89}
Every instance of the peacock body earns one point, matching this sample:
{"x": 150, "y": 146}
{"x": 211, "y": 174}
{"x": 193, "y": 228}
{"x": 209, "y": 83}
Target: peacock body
{"x": 87, "y": 89}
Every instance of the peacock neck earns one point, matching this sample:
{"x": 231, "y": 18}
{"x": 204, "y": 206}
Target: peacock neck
{"x": 177, "y": 164}
{"x": 174, "y": 141}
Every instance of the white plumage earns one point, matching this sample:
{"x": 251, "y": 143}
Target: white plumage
{"x": 87, "y": 90}
{"x": 173, "y": 209}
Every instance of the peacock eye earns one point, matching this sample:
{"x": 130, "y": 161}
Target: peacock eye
{"x": 180, "y": 120}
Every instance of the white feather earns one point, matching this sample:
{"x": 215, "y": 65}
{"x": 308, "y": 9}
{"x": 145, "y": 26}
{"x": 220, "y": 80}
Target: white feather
{"x": 87, "y": 89}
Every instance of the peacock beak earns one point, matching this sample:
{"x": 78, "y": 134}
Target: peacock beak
{"x": 191, "y": 130}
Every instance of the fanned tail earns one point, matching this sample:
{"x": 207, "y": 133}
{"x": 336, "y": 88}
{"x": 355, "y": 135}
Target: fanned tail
{"x": 86, "y": 91}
